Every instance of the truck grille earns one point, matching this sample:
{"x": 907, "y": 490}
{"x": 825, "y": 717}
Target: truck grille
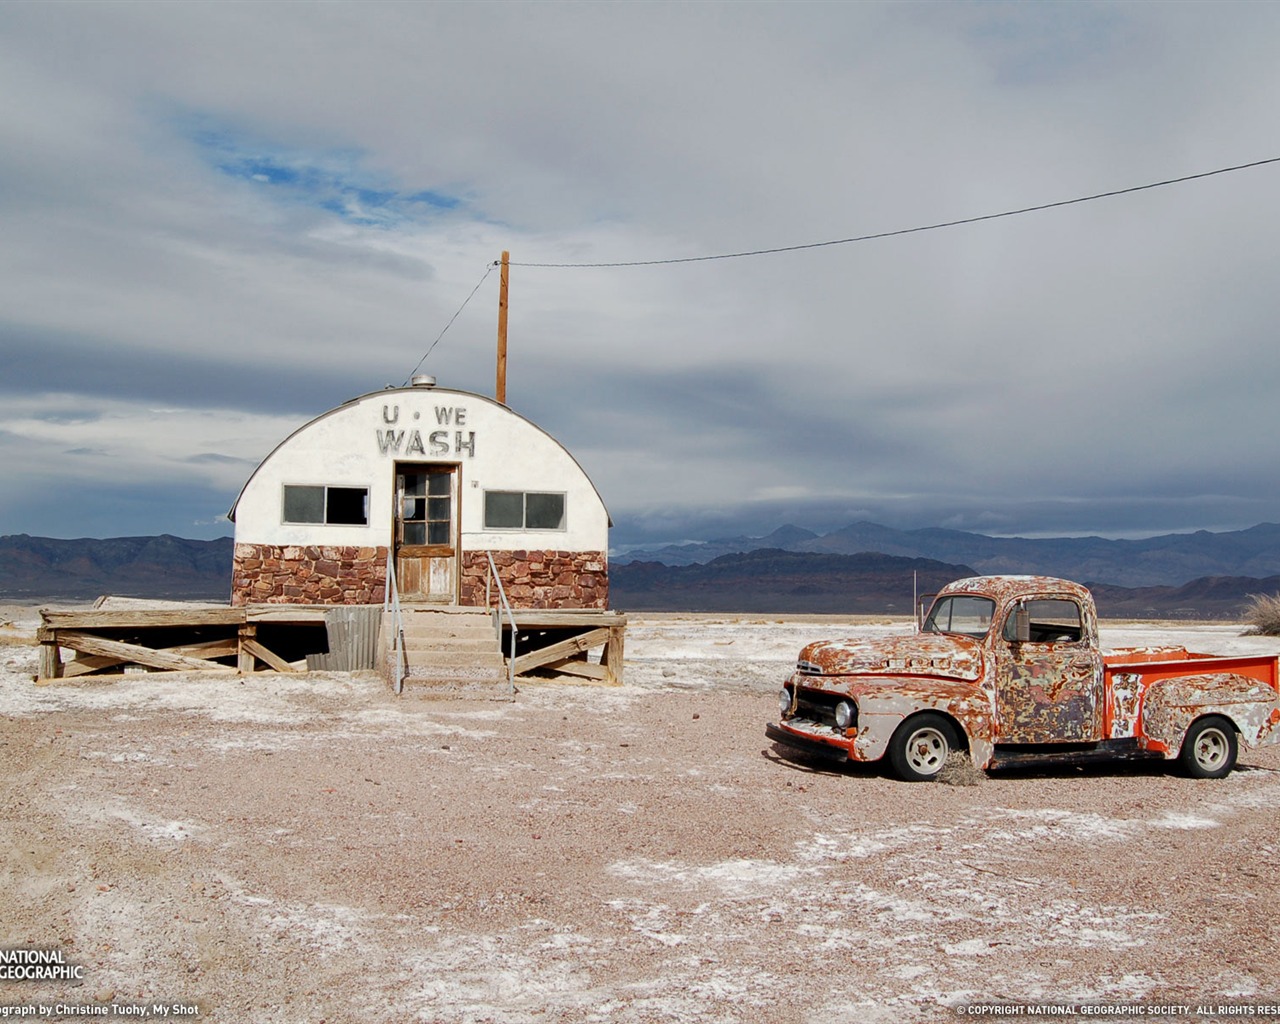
{"x": 820, "y": 708}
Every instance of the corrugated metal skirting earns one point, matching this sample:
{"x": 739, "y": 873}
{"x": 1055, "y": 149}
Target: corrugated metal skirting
{"x": 353, "y": 639}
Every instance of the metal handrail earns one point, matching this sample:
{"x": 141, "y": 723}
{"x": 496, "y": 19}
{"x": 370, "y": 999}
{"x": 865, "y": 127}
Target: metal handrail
{"x": 391, "y": 603}
{"x": 503, "y": 606}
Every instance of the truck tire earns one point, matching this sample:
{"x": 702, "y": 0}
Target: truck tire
{"x": 1209, "y": 749}
{"x": 920, "y": 746}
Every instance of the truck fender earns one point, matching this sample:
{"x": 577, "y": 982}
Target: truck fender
{"x": 969, "y": 714}
{"x": 1170, "y": 706}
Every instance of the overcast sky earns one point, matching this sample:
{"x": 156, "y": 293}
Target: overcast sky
{"x": 218, "y": 221}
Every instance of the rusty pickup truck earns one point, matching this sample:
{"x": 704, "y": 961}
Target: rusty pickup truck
{"x": 1009, "y": 669}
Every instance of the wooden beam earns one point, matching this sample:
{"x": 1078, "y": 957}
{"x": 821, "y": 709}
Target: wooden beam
{"x": 262, "y": 654}
{"x": 288, "y": 613}
{"x": 136, "y": 654}
{"x": 540, "y": 618}
{"x": 612, "y": 656}
{"x": 101, "y": 619}
{"x": 561, "y": 650}
{"x": 244, "y": 659}
{"x": 50, "y": 661}
{"x": 96, "y": 663}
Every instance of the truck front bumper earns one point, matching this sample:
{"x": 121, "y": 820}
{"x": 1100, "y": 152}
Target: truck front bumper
{"x": 810, "y": 745}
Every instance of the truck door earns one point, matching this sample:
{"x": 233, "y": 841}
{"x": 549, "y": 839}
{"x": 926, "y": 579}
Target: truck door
{"x": 1048, "y": 675}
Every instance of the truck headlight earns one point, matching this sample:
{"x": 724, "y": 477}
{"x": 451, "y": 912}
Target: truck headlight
{"x": 784, "y": 701}
{"x": 844, "y": 714}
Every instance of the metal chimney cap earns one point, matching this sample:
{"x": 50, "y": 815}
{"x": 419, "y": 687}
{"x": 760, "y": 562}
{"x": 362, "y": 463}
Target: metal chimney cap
{"x": 423, "y": 380}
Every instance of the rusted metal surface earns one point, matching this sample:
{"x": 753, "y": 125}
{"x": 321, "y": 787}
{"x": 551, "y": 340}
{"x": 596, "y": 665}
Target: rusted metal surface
{"x": 1035, "y": 681}
{"x": 1171, "y": 705}
{"x": 925, "y": 654}
{"x": 1049, "y": 692}
{"x": 1125, "y": 703}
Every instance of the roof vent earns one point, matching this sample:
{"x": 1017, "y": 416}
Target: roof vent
{"x": 423, "y": 380}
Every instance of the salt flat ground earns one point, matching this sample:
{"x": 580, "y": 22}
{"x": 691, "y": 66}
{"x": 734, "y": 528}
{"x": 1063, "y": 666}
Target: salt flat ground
{"x": 310, "y": 848}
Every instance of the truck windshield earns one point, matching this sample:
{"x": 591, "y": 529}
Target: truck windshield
{"x": 968, "y": 615}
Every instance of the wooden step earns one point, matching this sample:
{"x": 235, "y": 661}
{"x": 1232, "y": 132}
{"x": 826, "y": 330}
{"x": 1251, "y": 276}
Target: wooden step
{"x": 450, "y": 651}
{"x": 491, "y": 658}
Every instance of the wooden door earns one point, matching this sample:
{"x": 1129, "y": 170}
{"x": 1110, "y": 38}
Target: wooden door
{"x": 426, "y": 531}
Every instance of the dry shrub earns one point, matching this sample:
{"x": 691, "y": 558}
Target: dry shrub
{"x": 959, "y": 770}
{"x": 1262, "y": 616}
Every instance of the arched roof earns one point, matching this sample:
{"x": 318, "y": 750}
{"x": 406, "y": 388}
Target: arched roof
{"x": 417, "y": 390}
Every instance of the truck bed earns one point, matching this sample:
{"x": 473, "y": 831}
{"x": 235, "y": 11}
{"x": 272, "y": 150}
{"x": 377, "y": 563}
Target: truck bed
{"x": 1156, "y": 663}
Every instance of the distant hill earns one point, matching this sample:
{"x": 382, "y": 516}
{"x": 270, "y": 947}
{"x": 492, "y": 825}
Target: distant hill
{"x": 1210, "y": 597}
{"x": 781, "y": 582}
{"x": 42, "y": 569}
{"x": 1169, "y": 560}
{"x": 772, "y": 580}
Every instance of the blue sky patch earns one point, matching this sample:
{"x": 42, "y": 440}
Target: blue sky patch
{"x": 337, "y": 180}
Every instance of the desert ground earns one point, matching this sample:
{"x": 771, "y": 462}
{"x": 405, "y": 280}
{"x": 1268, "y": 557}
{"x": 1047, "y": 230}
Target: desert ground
{"x": 313, "y": 849}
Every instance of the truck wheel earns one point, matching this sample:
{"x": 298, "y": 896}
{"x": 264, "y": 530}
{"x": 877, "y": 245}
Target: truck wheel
{"x": 920, "y": 746}
{"x": 1209, "y": 749}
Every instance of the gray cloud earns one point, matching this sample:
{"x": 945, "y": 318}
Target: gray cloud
{"x": 260, "y": 211}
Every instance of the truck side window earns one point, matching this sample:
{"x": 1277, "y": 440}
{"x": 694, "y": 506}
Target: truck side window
{"x": 1053, "y": 621}
{"x": 970, "y": 616}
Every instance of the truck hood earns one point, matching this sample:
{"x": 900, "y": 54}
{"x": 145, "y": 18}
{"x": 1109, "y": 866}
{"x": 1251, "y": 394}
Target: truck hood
{"x": 937, "y": 655}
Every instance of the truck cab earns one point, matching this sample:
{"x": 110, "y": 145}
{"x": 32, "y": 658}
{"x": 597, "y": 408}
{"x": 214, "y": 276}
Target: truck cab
{"x": 1009, "y": 669}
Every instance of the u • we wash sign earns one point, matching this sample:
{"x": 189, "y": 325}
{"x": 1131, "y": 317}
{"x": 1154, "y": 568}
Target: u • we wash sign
{"x": 447, "y": 439}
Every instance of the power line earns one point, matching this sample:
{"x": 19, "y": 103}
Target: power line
{"x": 843, "y": 241}
{"x": 488, "y": 271}
{"x": 910, "y": 231}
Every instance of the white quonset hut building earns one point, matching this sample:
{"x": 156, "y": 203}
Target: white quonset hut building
{"x": 437, "y": 479}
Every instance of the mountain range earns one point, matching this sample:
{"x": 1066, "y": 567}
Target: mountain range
{"x": 768, "y": 581}
{"x": 36, "y": 569}
{"x": 861, "y": 569}
{"x": 1168, "y": 560}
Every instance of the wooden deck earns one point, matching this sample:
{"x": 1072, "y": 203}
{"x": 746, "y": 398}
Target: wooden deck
{"x": 560, "y": 642}
{"x": 212, "y": 638}
{"x": 217, "y": 638}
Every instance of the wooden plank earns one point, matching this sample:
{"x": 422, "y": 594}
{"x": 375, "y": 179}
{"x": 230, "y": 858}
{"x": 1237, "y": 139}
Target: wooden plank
{"x": 140, "y": 618}
{"x": 211, "y": 649}
{"x": 270, "y": 657}
{"x": 561, "y": 650}
{"x": 89, "y": 663}
{"x": 533, "y": 618}
{"x": 582, "y": 669}
{"x": 224, "y": 648}
{"x": 96, "y": 663}
{"x": 297, "y": 613}
{"x": 90, "y": 644}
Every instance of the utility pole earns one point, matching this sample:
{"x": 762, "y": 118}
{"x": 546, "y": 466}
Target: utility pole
{"x": 501, "y": 392}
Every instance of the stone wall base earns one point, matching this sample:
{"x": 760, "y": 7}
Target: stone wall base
{"x": 306, "y": 574}
{"x": 539, "y": 579}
